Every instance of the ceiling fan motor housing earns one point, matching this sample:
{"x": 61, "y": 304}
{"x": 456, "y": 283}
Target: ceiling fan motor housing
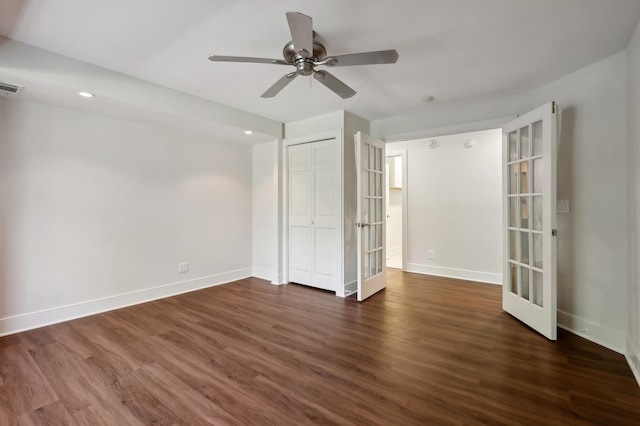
{"x": 304, "y": 64}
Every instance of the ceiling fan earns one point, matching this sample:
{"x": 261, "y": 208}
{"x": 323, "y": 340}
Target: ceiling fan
{"x": 305, "y": 52}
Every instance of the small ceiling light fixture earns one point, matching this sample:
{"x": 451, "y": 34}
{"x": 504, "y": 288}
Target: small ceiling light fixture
{"x": 248, "y": 132}
{"x": 86, "y": 94}
{"x": 432, "y": 143}
{"x": 470, "y": 143}
{"x": 428, "y": 99}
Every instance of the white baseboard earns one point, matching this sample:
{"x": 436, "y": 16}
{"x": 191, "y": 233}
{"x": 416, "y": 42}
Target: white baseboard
{"x": 279, "y": 280}
{"x": 28, "y": 321}
{"x": 350, "y": 288}
{"x": 266, "y": 274}
{"x": 463, "y": 274}
{"x": 597, "y": 333}
{"x": 633, "y": 358}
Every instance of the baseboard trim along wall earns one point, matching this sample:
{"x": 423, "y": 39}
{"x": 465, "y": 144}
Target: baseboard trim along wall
{"x": 267, "y": 274}
{"x": 463, "y": 274}
{"x": 350, "y": 288}
{"x": 633, "y": 358}
{"x": 597, "y": 333}
{"x": 28, "y": 321}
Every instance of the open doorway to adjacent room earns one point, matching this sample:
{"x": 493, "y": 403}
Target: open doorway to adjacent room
{"x": 444, "y": 211}
{"x": 396, "y": 191}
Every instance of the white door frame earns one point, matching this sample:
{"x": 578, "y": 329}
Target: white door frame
{"x": 405, "y": 200}
{"x": 337, "y": 135}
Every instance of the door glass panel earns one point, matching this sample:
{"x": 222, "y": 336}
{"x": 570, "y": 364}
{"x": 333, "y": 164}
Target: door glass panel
{"x": 365, "y": 159}
{"x": 537, "y": 176}
{"x": 525, "y": 283}
{"x": 537, "y": 138}
{"x": 524, "y": 212}
{"x": 524, "y": 142}
{"x": 513, "y": 212}
{"x": 365, "y": 183}
{"x": 513, "y": 146}
{"x": 536, "y": 218}
{"x": 537, "y": 288}
{"x": 524, "y": 178}
{"x": 379, "y": 261}
{"x": 513, "y": 179}
{"x": 513, "y": 245}
{"x": 372, "y": 183}
{"x": 537, "y": 250}
{"x": 524, "y": 247}
{"x": 513, "y": 278}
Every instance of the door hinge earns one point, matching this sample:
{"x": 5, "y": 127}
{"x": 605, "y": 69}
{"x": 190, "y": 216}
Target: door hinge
{"x": 554, "y": 232}
{"x": 553, "y": 107}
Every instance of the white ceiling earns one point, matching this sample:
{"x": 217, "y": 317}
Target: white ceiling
{"x": 453, "y": 50}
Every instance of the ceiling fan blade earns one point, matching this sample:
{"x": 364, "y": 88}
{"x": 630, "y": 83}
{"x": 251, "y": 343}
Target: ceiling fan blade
{"x": 365, "y": 58}
{"x": 279, "y": 85}
{"x": 220, "y": 58}
{"x": 334, "y": 84}
{"x": 301, "y": 28}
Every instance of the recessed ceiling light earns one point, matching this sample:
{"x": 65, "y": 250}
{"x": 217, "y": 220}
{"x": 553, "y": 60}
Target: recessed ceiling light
{"x": 248, "y": 132}
{"x": 86, "y": 94}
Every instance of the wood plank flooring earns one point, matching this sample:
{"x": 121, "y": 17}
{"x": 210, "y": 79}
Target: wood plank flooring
{"x": 425, "y": 351}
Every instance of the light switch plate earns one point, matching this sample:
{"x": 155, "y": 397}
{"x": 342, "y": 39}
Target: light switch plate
{"x": 562, "y": 206}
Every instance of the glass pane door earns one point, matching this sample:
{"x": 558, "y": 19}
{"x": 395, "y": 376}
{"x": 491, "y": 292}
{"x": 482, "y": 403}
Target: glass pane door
{"x": 529, "y": 291}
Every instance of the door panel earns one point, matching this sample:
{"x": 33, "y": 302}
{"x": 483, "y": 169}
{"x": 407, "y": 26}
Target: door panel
{"x": 300, "y": 254}
{"x": 529, "y": 200}
{"x": 370, "y": 165}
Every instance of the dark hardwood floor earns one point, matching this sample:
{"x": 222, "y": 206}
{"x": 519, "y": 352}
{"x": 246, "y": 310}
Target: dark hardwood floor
{"x": 425, "y": 351}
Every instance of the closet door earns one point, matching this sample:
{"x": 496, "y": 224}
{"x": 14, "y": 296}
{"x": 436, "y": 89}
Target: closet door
{"x": 300, "y": 214}
{"x": 325, "y": 223}
{"x": 314, "y": 214}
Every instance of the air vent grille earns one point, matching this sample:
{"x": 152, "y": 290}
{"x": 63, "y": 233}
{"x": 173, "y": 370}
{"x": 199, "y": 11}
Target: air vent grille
{"x": 10, "y": 89}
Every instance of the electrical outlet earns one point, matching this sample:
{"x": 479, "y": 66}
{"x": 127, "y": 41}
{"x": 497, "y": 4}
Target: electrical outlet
{"x": 431, "y": 254}
{"x": 183, "y": 267}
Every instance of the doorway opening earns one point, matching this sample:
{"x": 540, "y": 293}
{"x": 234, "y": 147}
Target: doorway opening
{"x": 395, "y": 187}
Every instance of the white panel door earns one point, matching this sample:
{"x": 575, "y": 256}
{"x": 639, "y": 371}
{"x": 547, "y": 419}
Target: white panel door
{"x": 370, "y": 170}
{"x": 326, "y": 215}
{"x": 314, "y": 214}
{"x": 300, "y": 214}
{"x": 529, "y": 217}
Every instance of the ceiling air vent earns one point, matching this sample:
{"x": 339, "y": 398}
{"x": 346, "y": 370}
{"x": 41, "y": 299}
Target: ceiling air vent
{"x": 10, "y": 89}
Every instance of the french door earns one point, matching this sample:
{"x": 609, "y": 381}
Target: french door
{"x": 529, "y": 217}
{"x": 370, "y": 169}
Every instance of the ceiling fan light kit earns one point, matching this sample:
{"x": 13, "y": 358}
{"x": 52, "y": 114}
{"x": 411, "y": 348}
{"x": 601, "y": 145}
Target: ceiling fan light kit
{"x": 305, "y": 52}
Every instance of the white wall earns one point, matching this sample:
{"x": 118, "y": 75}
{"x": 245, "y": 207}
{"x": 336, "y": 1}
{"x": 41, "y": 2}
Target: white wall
{"x": 97, "y": 212}
{"x": 592, "y": 174}
{"x": 592, "y": 241}
{"x": 454, "y": 206}
{"x": 633, "y": 126}
{"x": 265, "y": 203}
